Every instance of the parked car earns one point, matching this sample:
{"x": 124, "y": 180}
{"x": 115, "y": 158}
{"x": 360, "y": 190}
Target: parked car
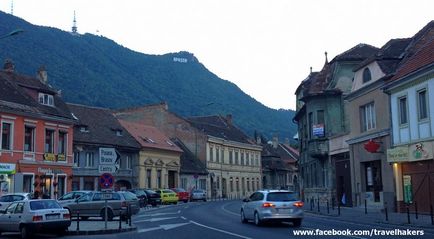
{"x": 167, "y": 196}
{"x": 182, "y": 194}
{"x": 272, "y": 205}
{"x": 72, "y": 196}
{"x": 154, "y": 198}
{"x": 198, "y": 194}
{"x": 92, "y": 204}
{"x": 141, "y": 195}
{"x": 34, "y": 215}
{"x": 7, "y": 199}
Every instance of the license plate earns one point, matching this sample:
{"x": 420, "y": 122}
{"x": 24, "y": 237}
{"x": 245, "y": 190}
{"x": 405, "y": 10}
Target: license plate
{"x": 284, "y": 211}
{"x": 53, "y": 217}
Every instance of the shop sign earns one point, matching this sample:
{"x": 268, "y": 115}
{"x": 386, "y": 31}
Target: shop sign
{"x": 408, "y": 194}
{"x": 318, "y": 130}
{"x": 50, "y": 171}
{"x": 49, "y": 157}
{"x": 398, "y": 154}
{"x": 7, "y": 168}
{"x": 61, "y": 157}
{"x": 421, "y": 151}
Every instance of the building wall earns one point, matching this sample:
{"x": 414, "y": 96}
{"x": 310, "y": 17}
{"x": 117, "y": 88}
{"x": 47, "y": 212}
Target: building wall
{"x": 36, "y": 170}
{"x": 155, "y": 161}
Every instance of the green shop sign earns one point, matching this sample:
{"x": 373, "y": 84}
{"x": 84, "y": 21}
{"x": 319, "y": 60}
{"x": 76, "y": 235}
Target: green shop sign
{"x": 408, "y": 193}
{"x": 7, "y": 168}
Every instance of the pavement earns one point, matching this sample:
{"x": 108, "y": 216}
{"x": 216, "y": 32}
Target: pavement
{"x": 373, "y": 215}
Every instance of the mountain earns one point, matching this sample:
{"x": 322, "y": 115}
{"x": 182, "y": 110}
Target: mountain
{"x": 96, "y": 71}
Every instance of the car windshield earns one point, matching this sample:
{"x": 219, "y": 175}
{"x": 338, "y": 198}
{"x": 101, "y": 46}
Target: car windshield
{"x": 178, "y": 190}
{"x": 281, "y": 197}
{"x": 44, "y": 204}
{"x": 167, "y": 191}
{"x": 129, "y": 196}
{"x": 139, "y": 192}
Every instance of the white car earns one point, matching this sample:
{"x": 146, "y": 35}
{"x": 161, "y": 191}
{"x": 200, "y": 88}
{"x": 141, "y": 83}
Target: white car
{"x": 7, "y": 199}
{"x": 35, "y": 215}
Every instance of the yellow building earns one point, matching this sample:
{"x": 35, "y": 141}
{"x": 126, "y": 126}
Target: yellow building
{"x": 159, "y": 157}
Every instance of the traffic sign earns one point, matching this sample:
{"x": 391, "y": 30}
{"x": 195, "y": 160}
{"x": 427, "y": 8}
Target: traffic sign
{"x": 108, "y": 168}
{"x": 106, "y": 180}
{"x": 108, "y": 156}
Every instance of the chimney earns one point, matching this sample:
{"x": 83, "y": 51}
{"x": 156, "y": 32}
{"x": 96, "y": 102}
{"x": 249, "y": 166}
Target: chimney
{"x": 275, "y": 142}
{"x": 42, "y": 75}
{"x": 326, "y": 59}
{"x": 258, "y": 140}
{"x": 9, "y": 66}
{"x": 164, "y": 105}
{"x": 229, "y": 118}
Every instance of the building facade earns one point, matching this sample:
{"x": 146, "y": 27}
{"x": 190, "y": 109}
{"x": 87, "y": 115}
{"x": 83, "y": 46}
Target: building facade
{"x": 102, "y": 145}
{"x": 159, "y": 158}
{"x": 36, "y": 135}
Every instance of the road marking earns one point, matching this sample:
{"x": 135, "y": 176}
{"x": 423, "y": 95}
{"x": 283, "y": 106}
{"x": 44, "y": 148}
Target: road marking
{"x": 164, "y": 227}
{"x": 220, "y": 230}
{"x": 155, "y": 219}
{"x": 157, "y": 214}
{"x": 183, "y": 218}
{"x": 224, "y": 209}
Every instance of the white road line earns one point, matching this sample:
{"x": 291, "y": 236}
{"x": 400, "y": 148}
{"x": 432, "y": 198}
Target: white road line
{"x": 183, "y": 218}
{"x": 227, "y": 211}
{"x": 220, "y": 230}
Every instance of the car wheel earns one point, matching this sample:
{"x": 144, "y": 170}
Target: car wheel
{"x": 185, "y": 201}
{"x": 24, "y": 232}
{"x": 296, "y": 222}
{"x": 204, "y": 200}
{"x": 258, "y": 221}
{"x": 243, "y": 217}
{"x": 84, "y": 218}
{"x": 109, "y": 214}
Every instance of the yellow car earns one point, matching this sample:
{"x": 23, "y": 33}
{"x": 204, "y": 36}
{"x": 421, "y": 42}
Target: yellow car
{"x": 167, "y": 196}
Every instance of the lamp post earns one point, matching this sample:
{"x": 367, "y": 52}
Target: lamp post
{"x": 12, "y": 33}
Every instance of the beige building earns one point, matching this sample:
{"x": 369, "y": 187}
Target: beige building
{"x": 159, "y": 157}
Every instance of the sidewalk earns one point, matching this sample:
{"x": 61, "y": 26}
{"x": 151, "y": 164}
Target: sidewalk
{"x": 358, "y": 214}
{"x": 95, "y": 225}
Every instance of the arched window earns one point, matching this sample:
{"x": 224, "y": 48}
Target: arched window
{"x": 366, "y": 75}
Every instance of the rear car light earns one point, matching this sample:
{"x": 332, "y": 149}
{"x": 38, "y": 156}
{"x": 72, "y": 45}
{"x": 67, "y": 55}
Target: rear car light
{"x": 268, "y": 204}
{"x": 37, "y": 218}
{"x": 299, "y": 204}
{"x": 66, "y": 216}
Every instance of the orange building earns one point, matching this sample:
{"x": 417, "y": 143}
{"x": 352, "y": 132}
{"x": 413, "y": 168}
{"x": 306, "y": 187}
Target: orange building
{"x": 36, "y": 135}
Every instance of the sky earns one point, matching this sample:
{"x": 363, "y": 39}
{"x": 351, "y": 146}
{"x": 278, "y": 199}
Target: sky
{"x": 265, "y": 47}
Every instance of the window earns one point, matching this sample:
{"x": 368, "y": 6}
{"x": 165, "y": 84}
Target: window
{"x": 202, "y": 184}
{"x": 236, "y": 157}
{"x": 76, "y": 159}
{"x": 159, "y": 178}
{"x": 237, "y": 183}
{"x": 6, "y": 136}
{"x": 257, "y": 160}
{"x": 49, "y": 141}
{"x": 217, "y": 154}
{"x": 403, "y": 118}
{"x": 242, "y": 158}
{"x": 367, "y": 117}
{"x": 320, "y": 117}
{"x": 248, "y": 184}
{"x": 231, "y": 184}
{"x": 148, "y": 177}
{"x": 231, "y": 156}
{"x": 247, "y": 159}
{"x": 61, "y": 147}
{"x": 211, "y": 154}
{"x": 90, "y": 162}
{"x": 46, "y": 99}
{"x": 183, "y": 183}
{"x": 129, "y": 162}
{"x": 27, "y": 183}
{"x": 29, "y": 138}
{"x": 222, "y": 155}
{"x": 366, "y": 75}
{"x": 422, "y": 104}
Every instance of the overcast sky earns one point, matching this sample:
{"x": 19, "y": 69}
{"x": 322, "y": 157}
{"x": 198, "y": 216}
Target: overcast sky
{"x": 266, "y": 47}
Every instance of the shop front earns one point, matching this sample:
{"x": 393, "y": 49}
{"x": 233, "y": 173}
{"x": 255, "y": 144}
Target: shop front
{"x": 7, "y": 172}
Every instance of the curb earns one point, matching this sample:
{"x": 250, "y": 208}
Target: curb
{"x": 103, "y": 231}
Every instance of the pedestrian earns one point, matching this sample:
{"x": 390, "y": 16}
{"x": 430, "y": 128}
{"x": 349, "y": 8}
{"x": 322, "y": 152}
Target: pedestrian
{"x": 36, "y": 195}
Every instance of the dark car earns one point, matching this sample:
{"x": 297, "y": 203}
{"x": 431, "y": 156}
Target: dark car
{"x": 141, "y": 195}
{"x": 154, "y": 198}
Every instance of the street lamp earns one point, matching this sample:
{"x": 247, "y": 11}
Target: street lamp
{"x": 12, "y": 33}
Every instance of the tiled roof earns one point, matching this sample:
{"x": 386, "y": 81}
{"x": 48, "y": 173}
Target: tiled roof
{"x": 149, "y": 136}
{"x": 101, "y": 126}
{"x": 419, "y": 53}
{"x": 220, "y": 127}
{"x": 357, "y": 53}
{"x": 19, "y": 93}
{"x": 190, "y": 164}
{"x": 281, "y": 151}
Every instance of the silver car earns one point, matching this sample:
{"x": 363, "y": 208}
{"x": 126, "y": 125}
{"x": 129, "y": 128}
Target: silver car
{"x": 35, "y": 215}
{"x": 198, "y": 194}
{"x": 272, "y": 205}
{"x": 7, "y": 199}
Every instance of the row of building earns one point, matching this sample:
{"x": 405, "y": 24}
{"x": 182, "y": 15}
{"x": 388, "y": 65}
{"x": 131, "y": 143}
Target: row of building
{"x": 50, "y": 146}
{"x": 366, "y": 126}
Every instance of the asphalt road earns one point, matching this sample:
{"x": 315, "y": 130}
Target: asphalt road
{"x": 209, "y": 220}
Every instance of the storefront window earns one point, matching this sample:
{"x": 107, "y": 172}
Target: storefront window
{"x": 27, "y": 183}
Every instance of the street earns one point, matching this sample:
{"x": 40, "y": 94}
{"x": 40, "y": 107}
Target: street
{"x": 220, "y": 219}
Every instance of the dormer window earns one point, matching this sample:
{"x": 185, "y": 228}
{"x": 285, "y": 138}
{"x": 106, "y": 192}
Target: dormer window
{"x": 84, "y": 129}
{"x": 148, "y": 140}
{"x": 118, "y": 132}
{"x": 46, "y": 99}
{"x": 366, "y": 75}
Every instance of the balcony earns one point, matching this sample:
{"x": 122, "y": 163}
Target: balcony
{"x": 318, "y": 148}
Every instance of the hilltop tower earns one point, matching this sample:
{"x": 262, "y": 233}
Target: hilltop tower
{"x": 74, "y": 25}
{"x": 12, "y": 7}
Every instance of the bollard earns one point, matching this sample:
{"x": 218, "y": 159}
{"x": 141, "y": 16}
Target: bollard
{"x": 120, "y": 219}
{"x": 408, "y": 214}
{"x": 333, "y": 203}
{"x": 78, "y": 220}
{"x": 311, "y": 205}
{"x": 129, "y": 214}
{"x": 318, "y": 205}
{"x": 366, "y": 207}
{"x": 387, "y": 215}
{"x": 328, "y": 209}
{"x": 339, "y": 209}
{"x": 415, "y": 210}
{"x": 432, "y": 219}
